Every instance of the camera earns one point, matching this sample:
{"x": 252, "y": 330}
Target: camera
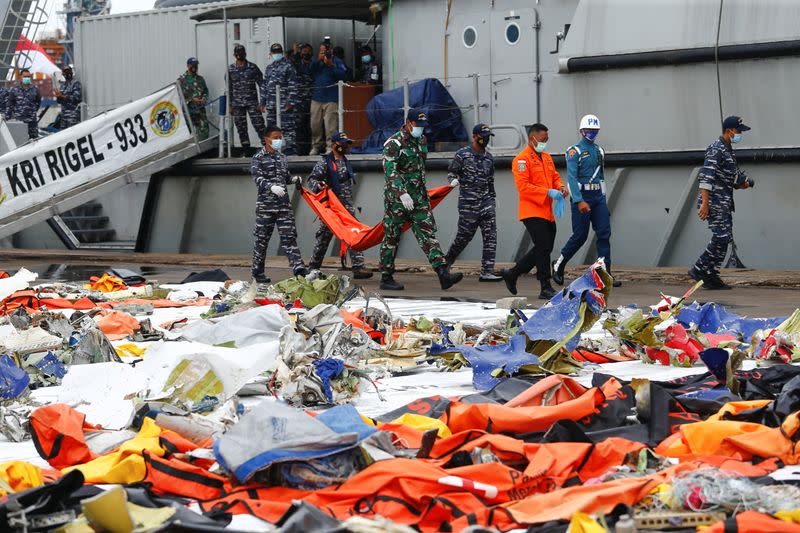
{"x": 741, "y": 179}
{"x": 327, "y": 42}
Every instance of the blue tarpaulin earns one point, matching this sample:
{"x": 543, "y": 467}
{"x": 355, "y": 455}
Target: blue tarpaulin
{"x": 385, "y": 113}
{"x": 714, "y": 318}
{"x": 562, "y": 315}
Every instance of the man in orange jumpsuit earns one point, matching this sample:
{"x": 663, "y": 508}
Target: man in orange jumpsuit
{"x": 541, "y": 197}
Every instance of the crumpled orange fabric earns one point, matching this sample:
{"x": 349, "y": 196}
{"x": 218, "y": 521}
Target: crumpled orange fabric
{"x": 738, "y": 440}
{"x": 117, "y": 325}
{"x": 105, "y": 283}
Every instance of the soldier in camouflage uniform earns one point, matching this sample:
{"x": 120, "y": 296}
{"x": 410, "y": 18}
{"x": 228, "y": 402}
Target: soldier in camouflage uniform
{"x": 244, "y": 78}
{"x": 334, "y": 171}
{"x": 405, "y": 199}
{"x": 271, "y": 174}
{"x": 4, "y": 92}
{"x": 473, "y": 169}
{"x": 305, "y": 82}
{"x": 195, "y": 94}
{"x": 23, "y": 104}
{"x": 69, "y": 95}
{"x": 281, "y": 73}
{"x": 719, "y": 176}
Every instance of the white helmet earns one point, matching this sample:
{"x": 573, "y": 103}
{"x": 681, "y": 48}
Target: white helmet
{"x": 590, "y": 122}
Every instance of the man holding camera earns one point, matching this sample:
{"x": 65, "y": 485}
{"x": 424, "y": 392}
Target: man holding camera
{"x": 719, "y": 176}
{"x": 327, "y": 70}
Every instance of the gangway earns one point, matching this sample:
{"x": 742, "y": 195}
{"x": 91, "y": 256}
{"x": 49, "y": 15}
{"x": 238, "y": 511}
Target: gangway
{"x": 62, "y": 171}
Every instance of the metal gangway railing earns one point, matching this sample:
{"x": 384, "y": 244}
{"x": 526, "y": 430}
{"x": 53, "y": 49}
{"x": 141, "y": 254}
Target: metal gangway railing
{"x": 19, "y": 17}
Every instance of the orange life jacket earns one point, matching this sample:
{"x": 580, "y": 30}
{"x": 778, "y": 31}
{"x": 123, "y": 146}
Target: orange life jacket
{"x": 58, "y": 435}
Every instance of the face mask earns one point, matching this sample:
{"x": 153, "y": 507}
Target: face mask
{"x": 482, "y": 141}
{"x": 68, "y": 77}
{"x": 305, "y": 57}
{"x": 737, "y": 137}
{"x": 590, "y": 135}
{"x": 417, "y": 131}
{"x": 277, "y": 57}
{"x": 339, "y": 148}
{"x": 366, "y": 58}
{"x": 241, "y": 57}
{"x": 540, "y": 147}
{"x": 26, "y": 81}
{"x": 276, "y": 144}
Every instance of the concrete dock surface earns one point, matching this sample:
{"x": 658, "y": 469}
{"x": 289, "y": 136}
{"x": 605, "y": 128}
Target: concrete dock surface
{"x": 756, "y": 293}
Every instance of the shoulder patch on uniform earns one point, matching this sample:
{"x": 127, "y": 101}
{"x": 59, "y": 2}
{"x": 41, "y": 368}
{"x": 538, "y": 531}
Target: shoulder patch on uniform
{"x": 522, "y": 165}
{"x": 571, "y": 152}
{"x": 392, "y": 140}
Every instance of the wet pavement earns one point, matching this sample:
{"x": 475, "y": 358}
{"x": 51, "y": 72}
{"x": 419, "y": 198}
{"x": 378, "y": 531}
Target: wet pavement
{"x": 640, "y": 286}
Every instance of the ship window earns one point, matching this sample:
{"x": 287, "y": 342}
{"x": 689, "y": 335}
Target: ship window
{"x": 512, "y": 33}
{"x": 470, "y": 36}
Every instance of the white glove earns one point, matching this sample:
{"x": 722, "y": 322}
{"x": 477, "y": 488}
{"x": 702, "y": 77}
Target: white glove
{"x": 278, "y": 191}
{"x": 454, "y": 183}
{"x": 408, "y": 203}
{"x": 298, "y": 181}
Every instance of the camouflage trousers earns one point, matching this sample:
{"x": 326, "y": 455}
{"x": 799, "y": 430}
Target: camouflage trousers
{"x": 720, "y": 222}
{"x": 471, "y": 216}
{"x": 239, "y": 114}
{"x": 270, "y": 213}
{"x": 200, "y": 123}
{"x": 33, "y": 129}
{"x": 70, "y": 117}
{"x": 422, "y": 224}
{"x": 288, "y": 128}
{"x": 324, "y": 235}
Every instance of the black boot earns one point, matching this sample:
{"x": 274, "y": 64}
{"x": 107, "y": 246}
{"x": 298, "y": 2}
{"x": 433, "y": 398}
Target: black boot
{"x": 510, "y": 277}
{"x": 447, "y": 279}
{"x": 558, "y": 273}
{"x": 361, "y": 273}
{"x": 547, "y": 291}
{"x": 260, "y": 278}
{"x": 388, "y": 283}
{"x": 301, "y": 271}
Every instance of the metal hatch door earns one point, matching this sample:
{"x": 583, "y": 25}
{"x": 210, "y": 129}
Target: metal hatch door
{"x": 513, "y": 71}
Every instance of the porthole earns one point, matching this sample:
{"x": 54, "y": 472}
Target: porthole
{"x": 512, "y": 33}
{"x": 469, "y": 37}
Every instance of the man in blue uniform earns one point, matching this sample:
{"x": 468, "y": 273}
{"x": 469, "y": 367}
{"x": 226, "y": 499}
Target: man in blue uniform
{"x": 244, "y": 79}
{"x": 587, "y": 189}
{"x": 719, "y": 176}
{"x": 334, "y": 171}
{"x": 69, "y": 94}
{"x": 281, "y": 73}
{"x": 270, "y": 173}
{"x": 23, "y": 103}
{"x": 473, "y": 169}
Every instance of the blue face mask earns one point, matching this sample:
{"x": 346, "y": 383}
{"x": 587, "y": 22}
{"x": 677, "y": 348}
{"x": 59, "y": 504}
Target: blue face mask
{"x": 540, "y": 147}
{"x": 737, "y": 138}
{"x": 590, "y": 135}
{"x": 366, "y": 59}
{"x": 277, "y": 57}
{"x": 26, "y": 81}
{"x": 276, "y": 144}
{"x": 417, "y": 131}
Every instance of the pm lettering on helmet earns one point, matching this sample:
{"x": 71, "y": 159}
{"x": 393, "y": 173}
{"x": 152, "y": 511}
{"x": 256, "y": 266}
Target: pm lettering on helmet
{"x": 593, "y": 121}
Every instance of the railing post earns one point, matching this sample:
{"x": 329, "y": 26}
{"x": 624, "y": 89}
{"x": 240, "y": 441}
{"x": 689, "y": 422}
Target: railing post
{"x": 340, "y": 85}
{"x": 278, "y": 106}
{"x": 477, "y": 100}
{"x": 406, "y": 98}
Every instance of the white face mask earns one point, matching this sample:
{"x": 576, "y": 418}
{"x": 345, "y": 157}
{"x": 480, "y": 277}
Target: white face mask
{"x": 540, "y": 147}
{"x": 417, "y": 131}
{"x": 277, "y": 57}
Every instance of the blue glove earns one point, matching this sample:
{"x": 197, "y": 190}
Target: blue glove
{"x": 558, "y": 206}
{"x": 554, "y": 194}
